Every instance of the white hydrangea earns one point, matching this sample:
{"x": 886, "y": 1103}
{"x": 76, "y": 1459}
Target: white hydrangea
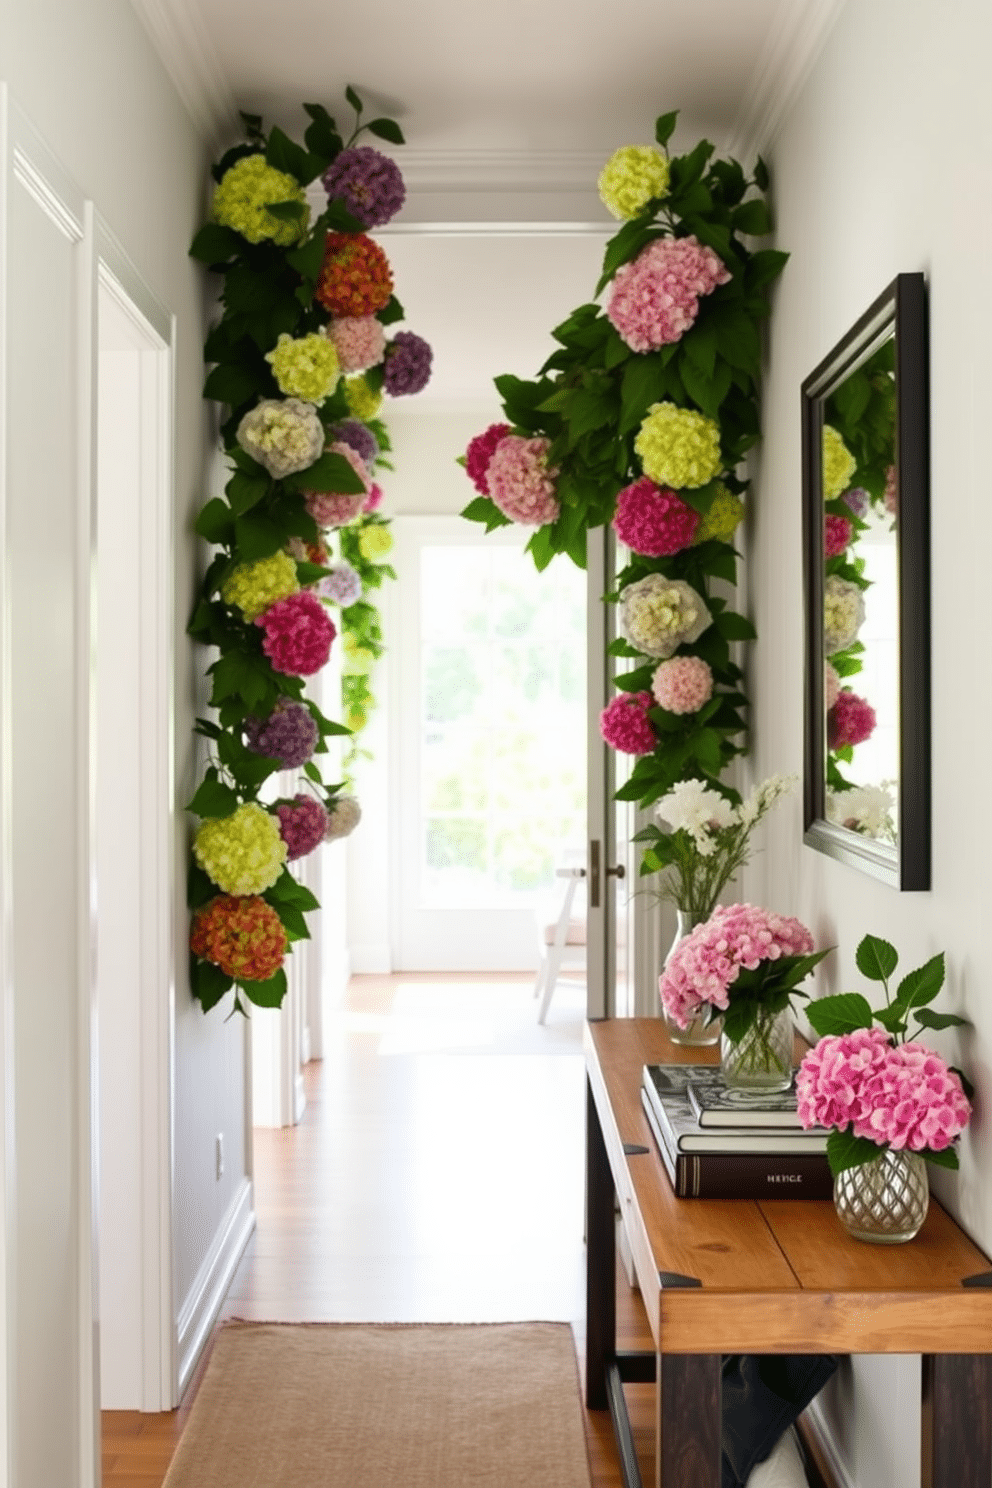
{"x": 283, "y": 434}
{"x": 343, "y": 816}
{"x": 658, "y": 615}
{"x": 692, "y": 807}
{"x": 867, "y": 809}
{"x": 843, "y": 614}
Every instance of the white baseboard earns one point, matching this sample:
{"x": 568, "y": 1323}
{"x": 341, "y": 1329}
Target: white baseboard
{"x": 371, "y": 958}
{"x": 819, "y": 1430}
{"x": 199, "y": 1311}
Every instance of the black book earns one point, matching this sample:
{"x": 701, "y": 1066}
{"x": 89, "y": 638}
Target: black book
{"x": 668, "y": 1088}
{"x": 716, "y": 1104}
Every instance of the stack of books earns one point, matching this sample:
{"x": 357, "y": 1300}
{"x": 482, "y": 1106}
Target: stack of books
{"x": 719, "y": 1143}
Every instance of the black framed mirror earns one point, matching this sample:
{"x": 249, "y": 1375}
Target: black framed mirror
{"x": 866, "y": 547}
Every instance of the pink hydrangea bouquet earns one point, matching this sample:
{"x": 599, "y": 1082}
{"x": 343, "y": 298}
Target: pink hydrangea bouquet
{"x": 874, "y": 1085}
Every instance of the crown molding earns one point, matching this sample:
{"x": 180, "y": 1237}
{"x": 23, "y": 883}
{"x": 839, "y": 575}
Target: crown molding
{"x": 187, "y": 52}
{"x": 426, "y": 169}
{"x": 796, "y": 38}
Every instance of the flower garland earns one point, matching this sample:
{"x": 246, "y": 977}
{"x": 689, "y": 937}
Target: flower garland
{"x": 301, "y": 358}
{"x": 642, "y": 417}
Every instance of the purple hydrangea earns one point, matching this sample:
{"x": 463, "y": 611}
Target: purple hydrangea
{"x": 289, "y": 734}
{"x": 408, "y": 364}
{"x": 343, "y": 584}
{"x": 302, "y": 824}
{"x": 356, "y": 436}
{"x": 367, "y": 182}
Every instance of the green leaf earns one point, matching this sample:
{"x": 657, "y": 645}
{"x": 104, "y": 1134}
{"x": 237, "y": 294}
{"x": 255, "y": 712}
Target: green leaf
{"x": 892, "y": 1019}
{"x": 734, "y": 627}
{"x": 257, "y": 537}
{"x": 626, "y": 244}
{"x": 312, "y": 771}
{"x": 876, "y": 959}
{"x": 207, "y": 982}
{"x": 386, "y": 129}
{"x": 643, "y": 384}
{"x": 840, "y": 1014}
{"x": 391, "y": 312}
{"x": 752, "y": 218}
{"x": 482, "y": 509}
{"x": 353, "y": 99}
{"x": 237, "y": 675}
{"x": 293, "y": 922}
{"x": 922, "y": 985}
{"x": 946, "y": 1158}
{"x": 308, "y": 259}
{"x": 213, "y": 798}
{"x": 246, "y": 491}
{"x": 286, "y": 155}
{"x": 286, "y": 890}
{"x": 231, "y": 384}
{"x": 845, "y": 1150}
{"x": 200, "y": 888}
{"x": 266, "y": 994}
{"x": 214, "y": 244}
{"x": 761, "y": 175}
{"x": 322, "y": 136}
{"x": 927, "y": 1018}
{"x": 215, "y": 522}
{"x": 665, "y": 127}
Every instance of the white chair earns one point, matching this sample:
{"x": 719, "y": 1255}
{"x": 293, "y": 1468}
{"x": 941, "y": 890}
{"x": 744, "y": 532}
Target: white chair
{"x": 562, "y": 940}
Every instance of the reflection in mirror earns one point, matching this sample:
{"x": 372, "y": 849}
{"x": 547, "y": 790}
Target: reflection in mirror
{"x": 867, "y": 613}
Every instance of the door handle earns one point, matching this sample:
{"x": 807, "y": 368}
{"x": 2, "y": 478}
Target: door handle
{"x": 596, "y": 872}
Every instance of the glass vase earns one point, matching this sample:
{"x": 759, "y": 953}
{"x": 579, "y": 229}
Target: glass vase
{"x": 884, "y": 1201}
{"x": 699, "y": 1034}
{"x": 762, "y": 1058}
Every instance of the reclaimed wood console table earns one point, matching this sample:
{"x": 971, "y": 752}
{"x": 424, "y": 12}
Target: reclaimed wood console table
{"x": 781, "y": 1276}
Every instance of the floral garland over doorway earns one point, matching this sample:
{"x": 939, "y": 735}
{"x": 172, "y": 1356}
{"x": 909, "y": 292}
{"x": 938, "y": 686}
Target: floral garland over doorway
{"x": 642, "y": 418}
{"x": 302, "y": 360}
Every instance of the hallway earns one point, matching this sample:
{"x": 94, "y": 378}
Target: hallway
{"x": 437, "y": 1176}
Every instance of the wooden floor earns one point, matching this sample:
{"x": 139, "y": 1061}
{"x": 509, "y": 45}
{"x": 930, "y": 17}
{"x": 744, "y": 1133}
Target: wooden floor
{"x": 437, "y": 1176}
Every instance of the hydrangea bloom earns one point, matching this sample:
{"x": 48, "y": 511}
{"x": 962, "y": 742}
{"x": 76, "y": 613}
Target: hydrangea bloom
{"x": 653, "y": 521}
{"x": 690, "y": 806}
{"x": 375, "y": 541}
{"x": 705, "y": 964}
{"x": 683, "y": 684}
{"x": 355, "y": 278}
{"x": 362, "y": 400}
{"x": 658, "y": 615}
{"x": 624, "y": 723}
{"x": 843, "y": 613}
{"x": 242, "y": 853}
{"x": 360, "y": 341}
{"x": 373, "y": 500}
{"x": 297, "y": 634}
{"x": 358, "y": 437}
{"x": 283, "y": 435}
{"x": 479, "y": 453}
{"x": 343, "y": 816}
{"x": 891, "y": 493}
{"x": 289, "y": 734}
{"x": 520, "y": 481}
{"x": 368, "y": 182}
{"x": 255, "y": 586}
{"x": 246, "y": 190}
{"x": 838, "y": 463}
{"x": 343, "y": 585}
{"x": 306, "y": 367}
{"x": 901, "y": 1096}
{"x": 867, "y": 809}
{"x": 242, "y": 935}
{"x": 851, "y": 720}
{"x": 857, "y": 499}
{"x": 333, "y": 508}
{"x": 831, "y": 684}
{"x": 632, "y": 177}
{"x": 302, "y": 825}
{"x": 723, "y": 518}
{"x": 655, "y": 299}
{"x": 678, "y": 447}
{"x": 408, "y": 364}
{"x": 837, "y": 534}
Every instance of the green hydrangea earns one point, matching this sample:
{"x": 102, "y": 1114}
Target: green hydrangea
{"x": 253, "y": 587}
{"x": 723, "y": 518}
{"x": 838, "y": 464}
{"x": 375, "y": 542}
{"x": 242, "y": 853}
{"x": 306, "y": 368}
{"x": 364, "y": 402}
{"x": 246, "y": 190}
{"x": 631, "y": 177}
{"x": 678, "y": 447}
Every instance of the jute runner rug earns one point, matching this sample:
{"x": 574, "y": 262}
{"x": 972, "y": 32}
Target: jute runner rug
{"x": 341, "y": 1405}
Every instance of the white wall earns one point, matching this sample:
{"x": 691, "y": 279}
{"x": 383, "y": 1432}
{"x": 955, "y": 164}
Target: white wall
{"x": 85, "y": 73}
{"x": 883, "y": 166}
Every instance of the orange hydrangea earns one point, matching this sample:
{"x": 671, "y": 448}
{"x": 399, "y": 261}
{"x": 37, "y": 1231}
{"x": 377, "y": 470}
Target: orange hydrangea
{"x": 355, "y": 278}
{"x": 242, "y": 935}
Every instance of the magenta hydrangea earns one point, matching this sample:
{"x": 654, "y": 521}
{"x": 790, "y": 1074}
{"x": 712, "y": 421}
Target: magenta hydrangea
{"x": 297, "y": 634}
{"x": 683, "y": 684}
{"x": 368, "y": 183}
{"x": 655, "y": 299}
{"x": 479, "y": 453}
{"x": 358, "y": 437}
{"x": 625, "y": 725}
{"x": 373, "y": 500}
{"x": 850, "y": 721}
{"x": 289, "y": 734}
{"x": 653, "y": 520}
{"x": 302, "y": 825}
{"x": 901, "y": 1096}
{"x": 520, "y": 481}
{"x": 359, "y": 341}
{"x": 704, "y": 966}
{"x": 837, "y": 534}
{"x": 407, "y": 365}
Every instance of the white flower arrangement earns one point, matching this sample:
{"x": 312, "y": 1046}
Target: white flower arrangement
{"x": 843, "y": 614}
{"x": 658, "y": 615}
{"x": 867, "y": 809}
{"x": 283, "y": 434}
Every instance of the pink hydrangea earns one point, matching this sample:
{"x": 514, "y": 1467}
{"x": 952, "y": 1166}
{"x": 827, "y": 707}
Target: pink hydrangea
{"x": 653, "y": 521}
{"x": 359, "y": 341}
{"x": 336, "y": 508}
{"x": 851, "y": 720}
{"x": 683, "y": 684}
{"x": 655, "y": 299}
{"x": 625, "y": 725}
{"x": 373, "y": 500}
{"x": 302, "y": 825}
{"x": 900, "y": 1096}
{"x": 480, "y": 451}
{"x": 704, "y": 966}
{"x": 831, "y": 684}
{"x": 891, "y": 494}
{"x": 520, "y": 481}
{"x": 837, "y": 534}
{"x": 297, "y": 634}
